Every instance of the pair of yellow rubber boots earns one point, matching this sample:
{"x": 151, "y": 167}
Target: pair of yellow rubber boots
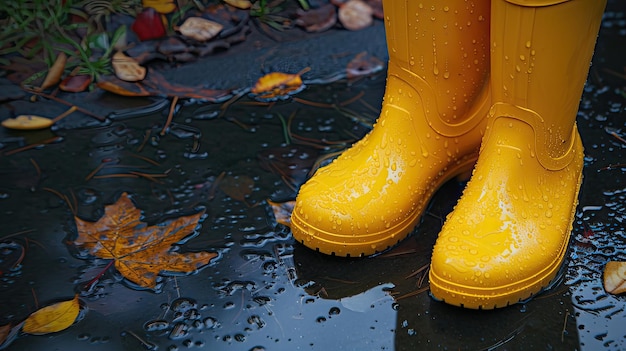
{"x": 472, "y": 85}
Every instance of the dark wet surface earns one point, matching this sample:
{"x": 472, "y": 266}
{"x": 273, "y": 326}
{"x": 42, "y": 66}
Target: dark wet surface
{"x": 264, "y": 291}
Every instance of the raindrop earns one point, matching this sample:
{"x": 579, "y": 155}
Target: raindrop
{"x": 320, "y": 319}
{"x": 240, "y": 338}
{"x": 258, "y": 348}
{"x": 211, "y": 323}
{"x": 183, "y": 304}
{"x": 334, "y": 311}
{"x": 172, "y": 348}
{"x": 156, "y": 325}
{"x": 192, "y": 314}
{"x": 254, "y": 319}
{"x": 179, "y": 331}
{"x": 83, "y": 337}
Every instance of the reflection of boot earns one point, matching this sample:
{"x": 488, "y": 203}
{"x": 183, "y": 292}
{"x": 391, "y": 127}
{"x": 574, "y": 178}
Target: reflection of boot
{"x": 429, "y": 131}
{"x": 509, "y": 232}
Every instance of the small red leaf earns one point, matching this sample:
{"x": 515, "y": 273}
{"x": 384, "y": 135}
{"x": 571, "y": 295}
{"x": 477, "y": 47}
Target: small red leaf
{"x": 148, "y": 25}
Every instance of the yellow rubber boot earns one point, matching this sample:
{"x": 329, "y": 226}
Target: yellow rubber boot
{"x": 508, "y": 234}
{"x": 429, "y": 130}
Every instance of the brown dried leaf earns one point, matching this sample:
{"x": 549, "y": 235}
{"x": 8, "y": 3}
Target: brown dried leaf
{"x": 126, "y": 68}
{"x": 237, "y": 187}
{"x": 4, "y": 333}
{"x": 355, "y": 15}
{"x": 317, "y": 20}
{"x": 53, "y": 318}
{"x": 615, "y": 277}
{"x": 156, "y": 85}
{"x": 141, "y": 252}
{"x": 282, "y": 211}
{"x": 363, "y": 64}
{"x": 200, "y": 29}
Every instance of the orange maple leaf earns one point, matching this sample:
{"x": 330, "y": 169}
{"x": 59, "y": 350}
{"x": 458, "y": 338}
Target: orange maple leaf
{"x": 140, "y": 251}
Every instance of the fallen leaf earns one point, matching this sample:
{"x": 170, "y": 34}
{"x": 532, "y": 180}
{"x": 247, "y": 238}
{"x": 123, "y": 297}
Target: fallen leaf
{"x": 200, "y": 29}
{"x": 377, "y": 8}
{"x": 27, "y": 122}
{"x": 355, "y": 15}
{"x": 615, "y": 277}
{"x": 53, "y": 318}
{"x": 282, "y": 211}
{"x": 75, "y": 83}
{"x": 148, "y": 25}
{"x": 363, "y": 64}
{"x": 4, "y": 332}
{"x": 55, "y": 72}
{"x": 240, "y": 4}
{"x": 141, "y": 252}
{"x": 237, "y": 187}
{"x": 156, "y": 85}
{"x": 278, "y": 85}
{"x": 317, "y": 20}
{"x": 161, "y": 6}
{"x": 126, "y": 68}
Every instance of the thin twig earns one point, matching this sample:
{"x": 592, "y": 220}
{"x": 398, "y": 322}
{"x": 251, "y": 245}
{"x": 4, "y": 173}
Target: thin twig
{"x": 564, "y": 326}
{"x": 62, "y": 197}
{"x": 145, "y": 140}
{"x": 64, "y": 114}
{"x": 61, "y": 101}
{"x": 149, "y": 160}
{"x": 17, "y": 234}
{"x": 418, "y": 271}
{"x": 32, "y": 146}
{"x": 170, "y": 115}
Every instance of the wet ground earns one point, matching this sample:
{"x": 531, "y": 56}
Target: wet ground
{"x": 265, "y": 292}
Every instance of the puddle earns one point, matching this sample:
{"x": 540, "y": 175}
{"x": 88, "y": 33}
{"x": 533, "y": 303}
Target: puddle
{"x": 264, "y": 292}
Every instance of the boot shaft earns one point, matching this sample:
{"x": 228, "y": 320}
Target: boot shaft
{"x": 540, "y": 56}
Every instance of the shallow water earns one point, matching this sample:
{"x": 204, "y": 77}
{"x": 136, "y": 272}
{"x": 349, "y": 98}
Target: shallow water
{"x": 265, "y": 292}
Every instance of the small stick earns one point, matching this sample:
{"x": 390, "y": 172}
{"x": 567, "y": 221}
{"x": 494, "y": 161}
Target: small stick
{"x": 352, "y": 99}
{"x": 32, "y": 146}
{"x": 564, "y": 326}
{"x": 17, "y": 234}
{"x": 149, "y": 160}
{"x": 96, "y": 170}
{"x": 145, "y": 140}
{"x": 68, "y": 112}
{"x": 61, "y": 101}
{"x": 170, "y": 115}
{"x": 118, "y": 175}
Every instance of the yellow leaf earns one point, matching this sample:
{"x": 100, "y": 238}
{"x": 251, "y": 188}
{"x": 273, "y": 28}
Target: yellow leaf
{"x": 55, "y": 72}
{"x": 615, "y": 277}
{"x": 199, "y": 28}
{"x": 282, "y": 211}
{"x": 27, "y": 122}
{"x": 277, "y": 84}
{"x": 240, "y": 4}
{"x": 161, "y": 6}
{"x": 52, "y": 318}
